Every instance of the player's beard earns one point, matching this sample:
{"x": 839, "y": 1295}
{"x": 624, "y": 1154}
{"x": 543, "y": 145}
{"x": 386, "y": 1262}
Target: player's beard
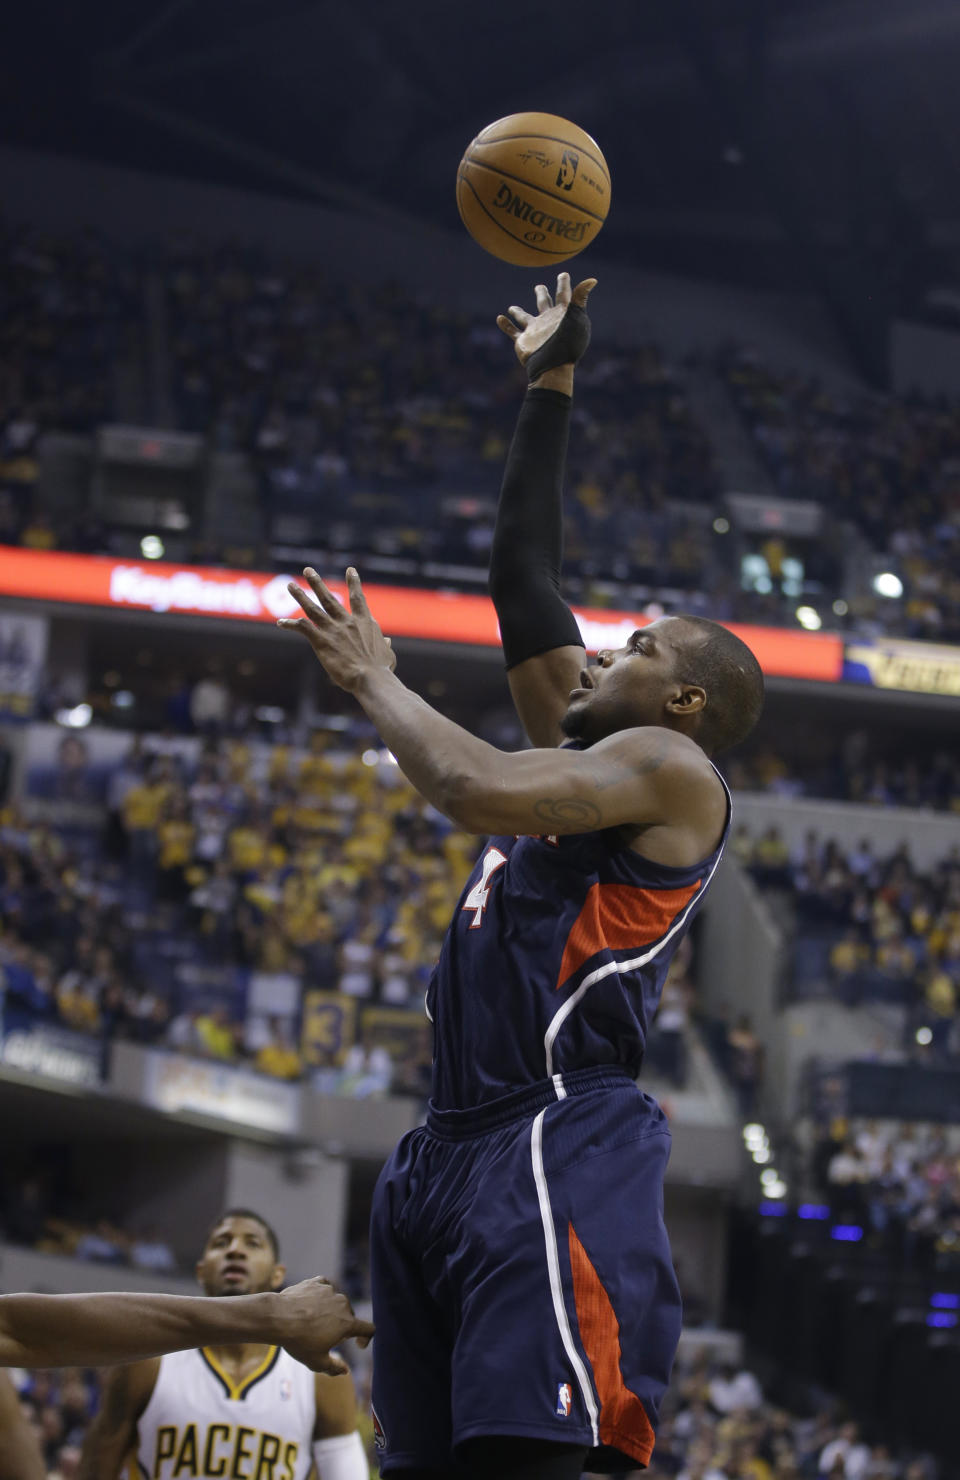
{"x": 572, "y": 723}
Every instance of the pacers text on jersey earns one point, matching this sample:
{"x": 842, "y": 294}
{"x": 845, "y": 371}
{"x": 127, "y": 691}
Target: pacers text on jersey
{"x": 224, "y": 1449}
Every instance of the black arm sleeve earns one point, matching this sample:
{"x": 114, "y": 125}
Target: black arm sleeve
{"x": 527, "y": 550}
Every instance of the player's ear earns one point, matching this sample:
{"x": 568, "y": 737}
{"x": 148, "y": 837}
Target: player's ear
{"x": 689, "y": 701}
{"x": 278, "y": 1276}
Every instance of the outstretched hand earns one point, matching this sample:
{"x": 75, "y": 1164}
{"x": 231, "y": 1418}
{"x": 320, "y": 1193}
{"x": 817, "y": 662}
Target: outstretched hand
{"x": 531, "y": 332}
{"x": 314, "y": 1316}
{"x": 348, "y": 643}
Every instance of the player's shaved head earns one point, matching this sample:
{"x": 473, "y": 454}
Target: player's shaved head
{"x": 711, "y": 657}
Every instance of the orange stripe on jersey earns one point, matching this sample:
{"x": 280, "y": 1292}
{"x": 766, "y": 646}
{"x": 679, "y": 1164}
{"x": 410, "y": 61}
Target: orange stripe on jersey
{"x": 623, "y": 1421}
{"x": 619, "y": 917}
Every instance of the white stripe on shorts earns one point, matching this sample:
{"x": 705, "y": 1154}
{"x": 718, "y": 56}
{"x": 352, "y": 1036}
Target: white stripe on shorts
{"x": 553, "y": 1268}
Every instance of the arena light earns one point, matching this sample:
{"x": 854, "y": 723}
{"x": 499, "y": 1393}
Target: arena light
{"x": 840, "y": 607}
{"x": 809, "y": 618}
{"x": 846, "y": 1233}
{"x": 771, "y": 1209}
{"x": 152, "y": 547}
{"x": 941, "y": 1318}
{"x": 371, "y": 757}
{"x": 776, "y": 1189}
{"x": 761, "y": 1155}
{"x": 940, "y": 1300}
{"x": 886, "y": 583}
{"x": 76, "y": 718}
{"x": 721, "y": 525}
{"x": 818, "y": 1212}
{"x": 753, "y": 1131}
{"x": 122, "y": 699}
{"x": 768, "y": 1175}
{"x": 924, "y": 1036}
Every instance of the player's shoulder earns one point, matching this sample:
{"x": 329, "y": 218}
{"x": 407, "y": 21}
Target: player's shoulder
{"x": 657, "y": 748}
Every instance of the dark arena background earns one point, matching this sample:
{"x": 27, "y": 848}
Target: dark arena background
{"x": 242, "y": 330}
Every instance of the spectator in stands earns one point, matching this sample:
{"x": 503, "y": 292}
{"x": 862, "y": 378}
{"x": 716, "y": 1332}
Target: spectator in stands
{"x": 745, "y": 1064}
{"x": 278, "y": 1056}
{"x": 849, "y": 1450}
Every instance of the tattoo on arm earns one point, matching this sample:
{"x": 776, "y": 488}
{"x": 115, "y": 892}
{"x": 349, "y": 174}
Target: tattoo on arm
{"x": 568, "y": 810}
{"x": 578, "y": 812}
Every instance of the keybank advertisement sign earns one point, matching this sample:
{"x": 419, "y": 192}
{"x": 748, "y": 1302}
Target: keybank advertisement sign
{"x": 402, "y": 611}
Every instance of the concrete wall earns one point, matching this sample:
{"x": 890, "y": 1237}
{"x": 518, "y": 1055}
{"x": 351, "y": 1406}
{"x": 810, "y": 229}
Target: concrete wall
{"x": 55, "y": 1274}
{"x": 929, "y": 835}
{"x": 740, "y": 951}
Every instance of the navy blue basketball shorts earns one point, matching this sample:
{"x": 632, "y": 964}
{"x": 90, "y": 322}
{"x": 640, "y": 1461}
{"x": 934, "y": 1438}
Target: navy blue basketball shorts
{"x": 521, "y": 1276}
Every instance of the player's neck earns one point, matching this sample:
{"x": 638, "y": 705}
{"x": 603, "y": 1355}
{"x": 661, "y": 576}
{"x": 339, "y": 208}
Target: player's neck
{"x": 239, "y": 1355}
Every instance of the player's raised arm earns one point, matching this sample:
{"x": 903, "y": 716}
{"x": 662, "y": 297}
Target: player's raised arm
{"x": 96, "y": 1330}
{"x": 542, "y": 646}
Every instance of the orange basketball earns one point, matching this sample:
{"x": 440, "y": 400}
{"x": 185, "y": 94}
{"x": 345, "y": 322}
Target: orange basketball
{"x": 533, "y": 189}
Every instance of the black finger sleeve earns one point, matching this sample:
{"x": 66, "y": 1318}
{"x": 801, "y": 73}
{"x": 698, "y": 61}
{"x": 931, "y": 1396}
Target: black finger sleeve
{"x": 527, "y": 550}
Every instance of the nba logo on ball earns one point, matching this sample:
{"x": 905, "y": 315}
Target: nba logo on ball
{"x": 564, "y": 1399}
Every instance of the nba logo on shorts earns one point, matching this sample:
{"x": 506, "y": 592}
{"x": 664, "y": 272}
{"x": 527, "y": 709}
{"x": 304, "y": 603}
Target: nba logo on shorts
{"x": 564, "y": 1399}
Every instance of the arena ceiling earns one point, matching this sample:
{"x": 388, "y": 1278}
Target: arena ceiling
{"x": 774, "y": 142}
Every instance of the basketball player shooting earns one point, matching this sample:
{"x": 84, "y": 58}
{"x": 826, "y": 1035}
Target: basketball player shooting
{"x": 527, "y": 1310}
{"x": 244, "y": 1409}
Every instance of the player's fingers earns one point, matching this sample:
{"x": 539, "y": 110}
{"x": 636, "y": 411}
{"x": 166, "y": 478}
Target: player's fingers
{"x": 332, "y": 1366}
{"x": 300, "y": 624}
{"x": 563, "y": 288}
{"x": 324, "y": 595}
{"x": 583, "y": 290}
{"x": 508, "y": 327}
{"x": 520, "y": 314}
{"x": 358, "y": 602}
{"x": 542, "y": 295}
{"x": 363, "y": 1331}
{"x": 304, "y": 600}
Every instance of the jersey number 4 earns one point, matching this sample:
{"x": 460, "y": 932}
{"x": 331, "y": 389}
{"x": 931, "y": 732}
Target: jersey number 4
{"x": 476, "y": 900}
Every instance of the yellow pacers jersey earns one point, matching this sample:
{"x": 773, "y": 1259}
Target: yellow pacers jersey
{"x": 198, "y": 1422}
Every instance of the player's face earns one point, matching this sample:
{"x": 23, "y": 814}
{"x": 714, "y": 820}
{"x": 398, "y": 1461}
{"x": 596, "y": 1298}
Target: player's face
{"x": 628, "y": 686}
{"x": 239, "y": 1260}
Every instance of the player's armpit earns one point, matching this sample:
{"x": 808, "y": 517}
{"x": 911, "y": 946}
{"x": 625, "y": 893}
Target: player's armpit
{"x": 113, "y": 1432}
{"x": 541, "y": 688}
{"x": 644, "y": 777}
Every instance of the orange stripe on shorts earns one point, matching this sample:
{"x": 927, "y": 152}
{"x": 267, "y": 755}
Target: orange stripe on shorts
{"x": 623, "y": 1421}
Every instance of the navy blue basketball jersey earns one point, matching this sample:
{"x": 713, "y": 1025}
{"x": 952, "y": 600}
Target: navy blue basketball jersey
{"x": 554, "y": 961}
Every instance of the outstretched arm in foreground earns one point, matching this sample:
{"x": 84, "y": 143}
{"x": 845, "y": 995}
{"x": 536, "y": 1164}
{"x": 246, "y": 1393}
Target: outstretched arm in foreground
{"x": 542, "y": 646}
{"x": 95, "y": 1330}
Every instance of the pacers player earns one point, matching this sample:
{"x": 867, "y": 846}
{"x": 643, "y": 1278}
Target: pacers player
{"x": 250, "y": 1412}
{"x": 527, "y": 1310}
{"x": 20, "y": 1457}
